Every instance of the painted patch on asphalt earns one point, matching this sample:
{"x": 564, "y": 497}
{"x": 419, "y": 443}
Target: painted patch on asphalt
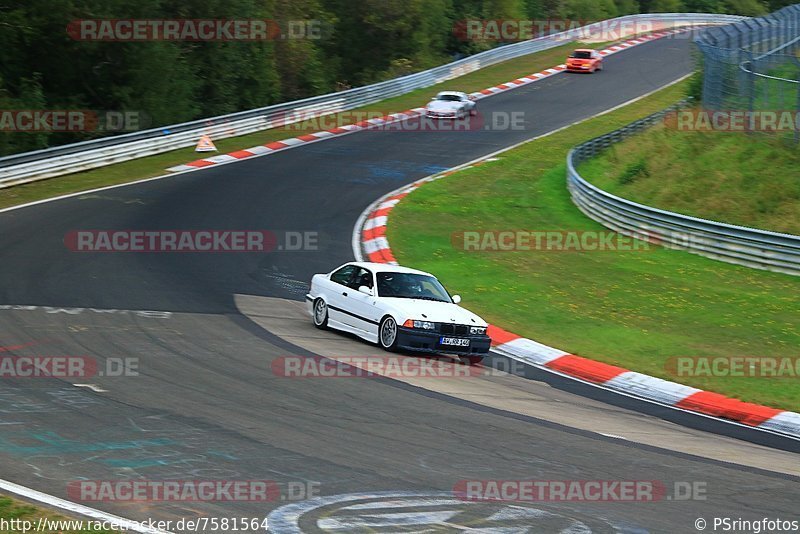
{"x": 388, "y": 512}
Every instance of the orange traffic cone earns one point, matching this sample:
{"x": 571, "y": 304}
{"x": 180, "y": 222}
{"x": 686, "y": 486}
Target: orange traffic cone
{"x": 205, "y": 144}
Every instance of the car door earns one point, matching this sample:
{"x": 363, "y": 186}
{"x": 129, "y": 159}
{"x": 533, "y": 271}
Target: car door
{"x": 337, "y": 291}
{"x": 364, "y": 314}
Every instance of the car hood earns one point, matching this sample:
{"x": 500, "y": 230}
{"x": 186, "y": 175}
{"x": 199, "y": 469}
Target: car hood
{"x": 428, "y": 310}
{"x": 444, "y": 105}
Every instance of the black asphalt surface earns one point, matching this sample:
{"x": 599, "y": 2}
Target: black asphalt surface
{"x": 206, "y": 404}
{"x": 319, "y": 188}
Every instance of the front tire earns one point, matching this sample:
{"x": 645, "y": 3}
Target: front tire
{"x": 387, "y": 334}
{"x": 320, "y": 314}
{"x": 473, "y": 111}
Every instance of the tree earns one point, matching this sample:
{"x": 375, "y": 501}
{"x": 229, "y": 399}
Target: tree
{"x": 703, "y": 6}
{"x": 626, "y": 7}
{"x": 749, "y": 8}
{"x": 666, "y": 6}
{"x": 370, "y": 34}
{"x": 589, "y": 9}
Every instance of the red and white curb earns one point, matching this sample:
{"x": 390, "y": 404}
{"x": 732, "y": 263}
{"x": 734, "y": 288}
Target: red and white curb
{"x": 370, "y": 235}
{"x": 285, "y": 144}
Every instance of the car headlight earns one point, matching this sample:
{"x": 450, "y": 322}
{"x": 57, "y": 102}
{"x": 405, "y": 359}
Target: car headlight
{"x": 477, "y": 330}
{"x": 423, "y": 325}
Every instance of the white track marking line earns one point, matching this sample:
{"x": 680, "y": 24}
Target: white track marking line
{"x": 38, "y": 496}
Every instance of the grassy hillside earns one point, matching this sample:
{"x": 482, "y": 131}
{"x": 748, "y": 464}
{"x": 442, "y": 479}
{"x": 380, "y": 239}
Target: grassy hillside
{"x": 751, "y": 180}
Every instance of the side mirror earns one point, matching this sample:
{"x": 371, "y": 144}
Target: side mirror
{"x": 472, "y": 97}
{"x": 456, "y": 299}
{"x": 365, "y": 290}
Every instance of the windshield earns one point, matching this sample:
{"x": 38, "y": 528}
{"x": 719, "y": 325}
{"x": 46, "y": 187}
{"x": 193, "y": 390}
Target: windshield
{"x": 581, "y": 55}
{"x": 411, "y": 286}
{"x": 449, "y": 98}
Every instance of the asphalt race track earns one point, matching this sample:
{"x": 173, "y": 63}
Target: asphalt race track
{"x": 207, "y": 405}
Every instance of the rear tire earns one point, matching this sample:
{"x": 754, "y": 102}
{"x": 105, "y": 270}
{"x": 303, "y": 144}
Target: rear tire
{"x": 387, "y": 334}
{"x": 320, "y": 314}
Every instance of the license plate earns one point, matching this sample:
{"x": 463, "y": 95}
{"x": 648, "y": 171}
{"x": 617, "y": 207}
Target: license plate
{"x": 454, "y": 342}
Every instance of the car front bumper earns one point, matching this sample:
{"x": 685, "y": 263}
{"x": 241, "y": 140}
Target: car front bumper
{"x": 441, "y": 115}
{"x": 427, "y": 341}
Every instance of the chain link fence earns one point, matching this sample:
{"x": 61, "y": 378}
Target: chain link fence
{"x": 754, "y": 66}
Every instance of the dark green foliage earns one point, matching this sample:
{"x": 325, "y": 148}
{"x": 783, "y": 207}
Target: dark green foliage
{"x": 363, "y": 41}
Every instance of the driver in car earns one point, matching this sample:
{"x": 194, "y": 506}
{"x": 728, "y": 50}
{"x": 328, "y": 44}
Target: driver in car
{"x": 365, "y": 280}
{"x": 415, "y": 288}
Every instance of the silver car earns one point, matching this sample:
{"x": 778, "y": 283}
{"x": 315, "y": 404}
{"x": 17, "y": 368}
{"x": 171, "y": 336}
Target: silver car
{"x": 451, "y": 105}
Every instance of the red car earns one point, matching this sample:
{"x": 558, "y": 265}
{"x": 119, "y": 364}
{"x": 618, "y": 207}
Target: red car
{"x": 584, "y": 60}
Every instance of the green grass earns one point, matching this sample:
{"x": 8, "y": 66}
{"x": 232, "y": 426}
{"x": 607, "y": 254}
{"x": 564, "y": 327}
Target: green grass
{"x": 636, "y": 309}
{"x": 751, "y": 180}
{"x": 767, "y": 93}
{"x": 11, "y": 509}
{"x": 155, "y": 165}
{"x": 788, "y": 70}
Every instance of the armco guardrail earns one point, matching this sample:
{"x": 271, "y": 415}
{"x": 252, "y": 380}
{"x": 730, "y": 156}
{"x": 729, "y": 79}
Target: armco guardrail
{"x": 760, "y": 249}
{"x": 47, "y": 163}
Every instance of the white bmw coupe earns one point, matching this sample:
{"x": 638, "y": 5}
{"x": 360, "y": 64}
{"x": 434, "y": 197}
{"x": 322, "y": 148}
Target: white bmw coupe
{"x": 398, "y": 308}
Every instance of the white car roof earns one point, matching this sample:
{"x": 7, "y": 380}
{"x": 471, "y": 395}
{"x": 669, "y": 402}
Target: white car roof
{"x": 451, "y": 93}
{"x": 386, "y": 268}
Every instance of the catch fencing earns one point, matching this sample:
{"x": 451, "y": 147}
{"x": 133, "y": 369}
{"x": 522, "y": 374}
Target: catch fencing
{"x": 754, "y": 65}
